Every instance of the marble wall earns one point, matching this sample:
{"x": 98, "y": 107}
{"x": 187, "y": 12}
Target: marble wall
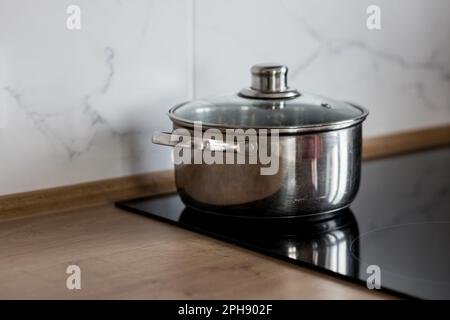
{"x": 80, "y": 105}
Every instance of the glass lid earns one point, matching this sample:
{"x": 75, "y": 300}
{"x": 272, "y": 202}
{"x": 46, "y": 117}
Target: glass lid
{"x": 269, "y": 103}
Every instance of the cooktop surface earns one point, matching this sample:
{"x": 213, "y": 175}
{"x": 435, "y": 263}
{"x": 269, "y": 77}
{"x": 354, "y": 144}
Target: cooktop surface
{"x": 396, "y": 234}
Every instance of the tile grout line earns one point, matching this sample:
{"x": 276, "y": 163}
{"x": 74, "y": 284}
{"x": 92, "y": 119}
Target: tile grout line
{"x": 3, "y": 110}
{"x": 191, "y": 50}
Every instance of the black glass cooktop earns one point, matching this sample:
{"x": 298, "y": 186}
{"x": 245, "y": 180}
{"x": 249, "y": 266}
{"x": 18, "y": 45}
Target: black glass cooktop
{"x": 396, "y": 232}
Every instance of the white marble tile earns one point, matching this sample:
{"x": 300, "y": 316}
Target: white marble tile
{"x": 401, "y": 72}
{"x": 82, "y": 104}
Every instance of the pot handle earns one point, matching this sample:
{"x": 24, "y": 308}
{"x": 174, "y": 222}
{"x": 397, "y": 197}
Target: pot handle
{"x": 172, "y": 140}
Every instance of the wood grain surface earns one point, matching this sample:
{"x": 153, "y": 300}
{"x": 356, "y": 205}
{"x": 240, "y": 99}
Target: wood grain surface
{"x": 123, "y": 255}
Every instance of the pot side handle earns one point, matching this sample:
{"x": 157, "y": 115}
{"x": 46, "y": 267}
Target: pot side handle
{"x": 172, "y": 140}
{"x": 164, "y": 139}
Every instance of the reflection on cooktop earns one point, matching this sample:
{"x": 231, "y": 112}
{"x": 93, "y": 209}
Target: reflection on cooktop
{"x": 399, "y": 222}
{"x": 325, "y": 243}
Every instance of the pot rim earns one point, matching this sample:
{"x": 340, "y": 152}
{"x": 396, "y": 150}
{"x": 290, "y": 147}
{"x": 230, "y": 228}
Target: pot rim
{"x": 282, "y": 130}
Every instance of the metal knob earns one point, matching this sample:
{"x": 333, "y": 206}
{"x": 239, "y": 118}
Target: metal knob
{"x": 269, "y": 81}
{"x": 269, "y": 77}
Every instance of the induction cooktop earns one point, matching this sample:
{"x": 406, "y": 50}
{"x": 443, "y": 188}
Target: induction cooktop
{"x": 395, "y": 236}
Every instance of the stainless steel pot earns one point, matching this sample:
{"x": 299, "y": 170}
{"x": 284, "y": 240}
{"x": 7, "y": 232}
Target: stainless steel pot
{"x": 319, "y": 150}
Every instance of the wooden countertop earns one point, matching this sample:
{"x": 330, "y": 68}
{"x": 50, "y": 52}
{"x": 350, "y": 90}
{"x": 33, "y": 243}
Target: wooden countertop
{"x": 123, "y": 255}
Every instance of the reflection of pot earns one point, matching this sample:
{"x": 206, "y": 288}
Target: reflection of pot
{"x": 319, "y": 152}
{"x": 323, "y": 243}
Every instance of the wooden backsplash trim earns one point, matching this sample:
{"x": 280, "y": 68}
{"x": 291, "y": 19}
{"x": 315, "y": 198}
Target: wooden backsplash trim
{"x": 406, "y": 142}
{"x": 85, "y": 194}
{"x": 107, "y": 191}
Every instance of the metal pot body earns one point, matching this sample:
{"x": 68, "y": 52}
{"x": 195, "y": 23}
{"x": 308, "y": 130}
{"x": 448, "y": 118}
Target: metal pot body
{"x": 318, "y": 173}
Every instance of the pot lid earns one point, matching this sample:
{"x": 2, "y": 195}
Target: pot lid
{"x": 269, "y": 103}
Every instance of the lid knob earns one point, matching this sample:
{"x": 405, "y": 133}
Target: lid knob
{"x": 269, "y": 81}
